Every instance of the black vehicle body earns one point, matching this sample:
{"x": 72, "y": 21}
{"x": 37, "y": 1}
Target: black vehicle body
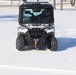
{"x": 35, "y": 29}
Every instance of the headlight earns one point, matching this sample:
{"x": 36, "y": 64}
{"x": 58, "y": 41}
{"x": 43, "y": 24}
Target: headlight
{"x": 27, "y": 25}
{"x": 46, "y": 25}
{"x": 50, "y": 26}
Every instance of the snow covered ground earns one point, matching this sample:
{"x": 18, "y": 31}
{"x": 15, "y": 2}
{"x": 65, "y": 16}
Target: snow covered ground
{"x": 38, "y": 62}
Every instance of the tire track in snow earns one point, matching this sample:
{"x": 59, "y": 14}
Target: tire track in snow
{"x": 58, "y": 71}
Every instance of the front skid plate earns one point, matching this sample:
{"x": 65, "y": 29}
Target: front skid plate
{"x": 38, "y": 48}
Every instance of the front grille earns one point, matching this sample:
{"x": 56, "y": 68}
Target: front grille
{"x": 38, "y": 24}
{"x": 35, "y": 32}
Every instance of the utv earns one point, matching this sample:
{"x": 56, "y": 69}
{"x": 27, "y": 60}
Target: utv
{"x": 36, "y": 20}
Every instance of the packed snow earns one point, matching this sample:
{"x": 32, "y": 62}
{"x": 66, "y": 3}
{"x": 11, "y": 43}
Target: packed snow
{"x": 38, "y": 62}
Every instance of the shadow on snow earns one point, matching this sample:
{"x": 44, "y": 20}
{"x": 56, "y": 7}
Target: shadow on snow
{"x": 8, "y": 18}
{"x": 65, "y": 43}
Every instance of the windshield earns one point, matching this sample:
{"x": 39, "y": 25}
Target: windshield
{"x": 36, "y": 15}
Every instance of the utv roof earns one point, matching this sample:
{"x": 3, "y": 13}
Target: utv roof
{"x": 36, "y": 5}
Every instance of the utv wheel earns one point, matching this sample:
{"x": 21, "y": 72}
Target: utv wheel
{"x": 20, "y": 43}
{"x": 53, "y": 44}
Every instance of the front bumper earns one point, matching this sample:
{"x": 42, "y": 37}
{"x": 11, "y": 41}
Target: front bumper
{"x": 47, "y": 30}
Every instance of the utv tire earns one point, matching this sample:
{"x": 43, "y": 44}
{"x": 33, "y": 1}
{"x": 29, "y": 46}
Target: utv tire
{"x": 53, "y": 44}
{"x": 20, "y": 43}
